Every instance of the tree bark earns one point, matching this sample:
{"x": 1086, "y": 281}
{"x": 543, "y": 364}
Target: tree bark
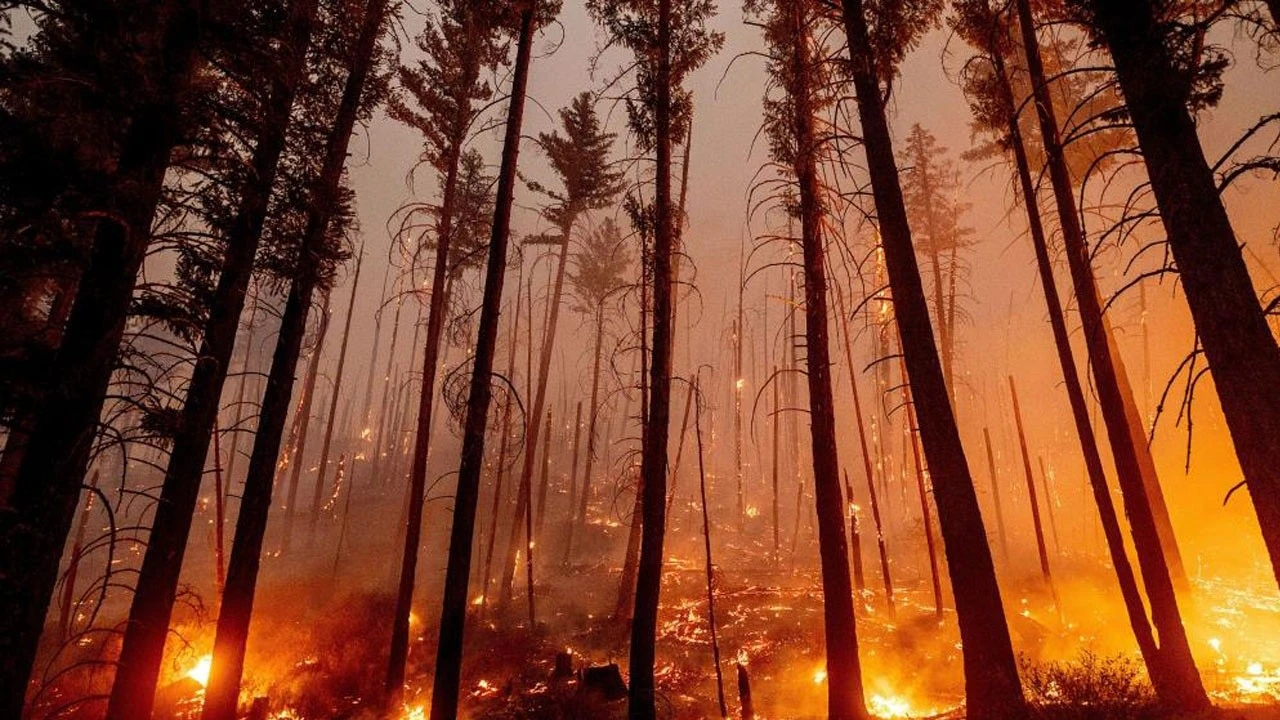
{"x": 47, "y": 487}
{"x": 255, "y": 505}
{"x": 1184, "y": 680}
{"x": 992, "y": 687}
{"x": 444, "y": 699}
{"x": 653, "y": 458}
{"x": 845, "y": 700}
{"x": 1241, "y": 351}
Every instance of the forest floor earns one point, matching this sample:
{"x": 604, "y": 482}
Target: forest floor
{"x": 318, "y": 649}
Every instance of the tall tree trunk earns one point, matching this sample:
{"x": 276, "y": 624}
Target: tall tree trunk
{"x": 926, "y": 515}
{"x": 302, "y": 424}
{"x": 1184, "y": 680}
{"x": 317, "y": 498}
{"x": 776, "y": 509}
{"x": 496, "y": 511}
{"x": 1241, "y": 351}
{"x": 992, "y": 687}
{"x": 995, "y": 495}
{"x": 1041, "y": 549}
{"x": 544, "y": 482}
{"x": 573, "y": 467}
{"x": 441, "y": 288}
{"x": 653, "y": 457}
{"x": 444, "y": 698}
{"x": 246, "y": 550}
{"x": 845, "y": 700}
{"x": 706, "y": 551}
{"x": 867, "y": 469}
{"x": 593, "y": 417}
{"x": 47, "y": 487}
{"x": 1112, "y": 532}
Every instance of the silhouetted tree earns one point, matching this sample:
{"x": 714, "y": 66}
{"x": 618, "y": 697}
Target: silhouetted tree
{"x": 446, "y": 86}
{"x": 1115, "y": 398}
{"x": 798, "y": 66}
{"x": 930, "y": 186}
{"x": 532, "y": 15}
{"x": 601, "y": 265}
{"x": 669, "y": 39}
{"x": 1150, "y": 59}
{"x": 580, "y": 159}
{"x": 61, "y": 429}
{"x": 992, "y": 687}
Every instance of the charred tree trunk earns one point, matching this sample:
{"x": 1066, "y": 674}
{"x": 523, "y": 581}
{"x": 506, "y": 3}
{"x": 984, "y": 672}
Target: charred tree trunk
{"x": 246, "y": 550}
{"x": 706, "y": 549}
{"x": 992, "y": 686}
{"x": 444, "y": 699}
{"x": 593, "y": 418}
{"x": 1241, "y": 351}
{"x": 867, "y": 468}
{"x": 1112, "y": 532}
{"x": 302, "y": 424}
{"x": 441, "y": 289}
{"x": 653, "y": 459}
{"x": 995, "y": 495}
{"x": 47, "y": 486}
{"x": 1185, "y": 689}
{"x": 845, "y": 700}
{"x": 1042, "y": 550}
{"x": 926, "y": 515}
{"x": 318, "y": 497}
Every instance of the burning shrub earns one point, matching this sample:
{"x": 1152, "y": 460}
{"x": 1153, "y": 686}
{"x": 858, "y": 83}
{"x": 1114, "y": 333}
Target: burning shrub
{"x": 1090, "y": 688}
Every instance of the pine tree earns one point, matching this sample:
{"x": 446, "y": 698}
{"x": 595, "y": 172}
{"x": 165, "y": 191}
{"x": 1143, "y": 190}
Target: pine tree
{"x": 669, "y": 40}
{"x": 992, "y": 686}
{"x": 446, "y": 86}
{"x": 46, "y": 487}
{"x": 532, "y": 15}
{"x": 797, "y": 64}
{"x": 930, "y": 186}
{"x": 1242, "y": 353}
{"x": 580, "y": 159}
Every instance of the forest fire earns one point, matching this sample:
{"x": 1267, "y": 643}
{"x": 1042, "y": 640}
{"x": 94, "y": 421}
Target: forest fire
{"x": 661, "y": 359}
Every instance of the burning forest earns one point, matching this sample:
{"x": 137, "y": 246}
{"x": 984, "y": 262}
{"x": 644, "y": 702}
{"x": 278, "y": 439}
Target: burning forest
{"x": 769, "y": 359}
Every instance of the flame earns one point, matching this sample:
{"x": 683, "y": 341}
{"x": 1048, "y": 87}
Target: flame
{"x": 200, "y": 673}
{"x": 888, "y": 707}
{"x": 417, "y": 712}
{"x": 819, "y": 676}
{"x": 738, "y": 385}
{"x": 753, "y": 511}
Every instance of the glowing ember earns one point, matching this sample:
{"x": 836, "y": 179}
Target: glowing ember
{"x": 200, "y": 673}
{"x": 819, "y": 676}
{"x": 417, "y": 712}
{"x": 888, "y": 707}
{"x": 753, "y": 511}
